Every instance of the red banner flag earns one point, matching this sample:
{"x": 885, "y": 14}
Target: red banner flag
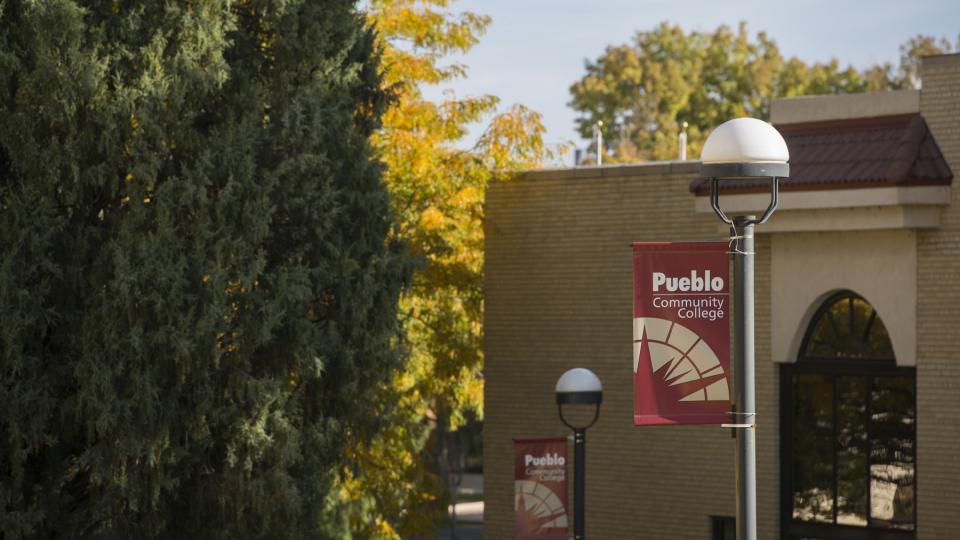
{"x": 681, "y": 333}
{"x": 540, "y": 488}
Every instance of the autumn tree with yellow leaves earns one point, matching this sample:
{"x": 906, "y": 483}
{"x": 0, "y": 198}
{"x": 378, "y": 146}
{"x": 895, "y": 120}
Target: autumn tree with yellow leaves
{"x": 437, "y": 178}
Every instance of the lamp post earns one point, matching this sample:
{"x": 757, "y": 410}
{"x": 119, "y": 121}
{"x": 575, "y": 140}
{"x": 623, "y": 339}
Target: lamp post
{"x": 744, "y": 149}
{"x": 579, "y": 386}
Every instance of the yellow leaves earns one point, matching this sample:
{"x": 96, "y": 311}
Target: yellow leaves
{"x": 379, "y": 465}
{"x": 128, "y": 179}
{"x": 468, "y": 196}
{"x": 234, "y": 287}
{"x": 229, "y": 339}
{"x": 227, "y": 342}
{"x": 405, "y": 69}
{"x": 416, "y": 36}
{"x": 514, "y": 140}
{"x": 384, "y": 530}
{"x": 404, "y": 381}
{"x": 432, "y": 219}
{"x": 438, "y": 32}
{"x": 437, "y": 181}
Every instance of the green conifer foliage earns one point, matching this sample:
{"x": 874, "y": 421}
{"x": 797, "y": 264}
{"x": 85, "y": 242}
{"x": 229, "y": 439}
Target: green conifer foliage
{"x": 197, "y": 287}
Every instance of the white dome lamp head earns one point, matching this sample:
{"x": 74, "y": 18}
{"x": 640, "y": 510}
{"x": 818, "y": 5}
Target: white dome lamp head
{"x": 744, "y": 149}
{"x": 579, "y": 386}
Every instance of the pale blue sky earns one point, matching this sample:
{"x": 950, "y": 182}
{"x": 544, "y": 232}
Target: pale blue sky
{"x": 535, "y": 49}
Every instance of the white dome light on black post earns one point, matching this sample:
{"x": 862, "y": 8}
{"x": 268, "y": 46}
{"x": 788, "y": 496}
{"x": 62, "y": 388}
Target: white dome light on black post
{"x": 579, "y": 386}
{"x": 744, "y": 149}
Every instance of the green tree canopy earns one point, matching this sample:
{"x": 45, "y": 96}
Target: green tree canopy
{"x": 644, "y": 91}
{"x": 198, "y": 285}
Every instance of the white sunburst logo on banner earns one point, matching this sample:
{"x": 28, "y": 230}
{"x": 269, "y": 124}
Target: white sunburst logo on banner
{"x": 680, "y": 359}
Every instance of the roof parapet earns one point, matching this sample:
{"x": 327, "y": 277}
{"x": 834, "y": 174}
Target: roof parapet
{"x": 844, "y": 107}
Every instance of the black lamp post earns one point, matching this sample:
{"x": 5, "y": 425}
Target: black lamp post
{"x": 579, "y": 386}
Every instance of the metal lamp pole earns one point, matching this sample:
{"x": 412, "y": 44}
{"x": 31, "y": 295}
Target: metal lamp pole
{"x": 579, "y": 478}
{"x": 743, "y": 367}
{"x": 744, "y": 149}
{"x": 579, "y": 386}
{"x": 742, "y": 228}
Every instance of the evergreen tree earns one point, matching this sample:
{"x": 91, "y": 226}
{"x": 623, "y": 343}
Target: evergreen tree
{"x": 197, "y": 287}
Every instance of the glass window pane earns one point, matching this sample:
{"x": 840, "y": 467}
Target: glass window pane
{"x": 892, "y": 455}
{"x": 822, "y": 340}
{"x": 853, "y": 434}
{"x": 813, "y": 448}
{"x": 848, "y": 327}
{"x": 851, "y": 450}
{"x": 840, "y": 312}
{"x": 861, "y": 316}
{"x": 878, "y": 341}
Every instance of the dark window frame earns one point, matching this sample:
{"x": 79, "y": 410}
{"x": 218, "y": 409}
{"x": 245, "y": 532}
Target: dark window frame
{"x": 866, "y": 367}
{"x": 723, "y": 528}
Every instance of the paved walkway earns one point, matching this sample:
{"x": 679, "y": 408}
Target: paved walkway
{"x": 469, "y": 512}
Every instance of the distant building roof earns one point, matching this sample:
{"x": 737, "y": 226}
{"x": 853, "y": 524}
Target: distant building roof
{"x": 854, "y": 153}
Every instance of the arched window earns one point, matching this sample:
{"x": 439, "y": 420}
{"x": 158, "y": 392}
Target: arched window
{"x": 848, "y": 435}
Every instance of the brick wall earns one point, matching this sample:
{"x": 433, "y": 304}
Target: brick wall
{"x": 558, "y": 295}
{"x": 767, "y": 399}
{"x": 558, "y": 282}
{"x": 938, "y": 320}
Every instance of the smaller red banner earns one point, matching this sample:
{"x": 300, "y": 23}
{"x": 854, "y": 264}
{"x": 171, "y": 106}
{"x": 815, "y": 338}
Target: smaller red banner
{"x": 540, "y": 488}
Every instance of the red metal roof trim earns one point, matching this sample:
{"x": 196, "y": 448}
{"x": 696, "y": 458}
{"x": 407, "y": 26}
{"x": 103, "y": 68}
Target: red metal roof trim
{"x": 857, "y": 153}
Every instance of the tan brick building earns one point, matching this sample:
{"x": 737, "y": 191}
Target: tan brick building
{"x": 879, "y": 461}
